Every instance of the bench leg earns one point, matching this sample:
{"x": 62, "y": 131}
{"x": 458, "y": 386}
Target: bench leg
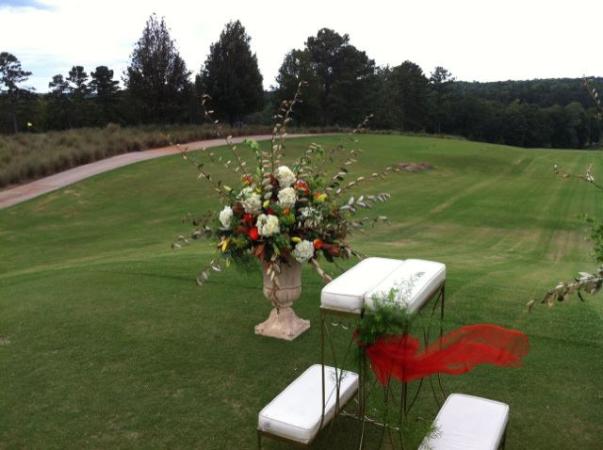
{"x": 259, "y": 440}
{"x": 503, "y": 441}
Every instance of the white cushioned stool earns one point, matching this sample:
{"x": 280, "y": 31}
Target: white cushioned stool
{"x": 419, "y": 277}
{"x": 346, "y": 292}
{"x": 466, "y": 422}
{"x": 354, "y": 290}
{"x": 296, "y": 413}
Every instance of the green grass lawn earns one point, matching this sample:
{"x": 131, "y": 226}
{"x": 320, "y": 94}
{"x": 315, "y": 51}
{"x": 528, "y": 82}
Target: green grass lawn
{"x": 108, "y": 343}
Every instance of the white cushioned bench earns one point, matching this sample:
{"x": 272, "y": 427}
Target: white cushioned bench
{"x": 466, "y": 422}
{"x": 296, "y": 413}
{"x": 355, "y": 289}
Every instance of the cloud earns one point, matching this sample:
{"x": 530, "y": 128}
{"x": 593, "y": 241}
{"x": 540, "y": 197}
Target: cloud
{"x": 35, "y": 4}
{"x": 475, "y": 39}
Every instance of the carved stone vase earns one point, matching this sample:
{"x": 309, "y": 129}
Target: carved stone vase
{"x": 283, "y": 323}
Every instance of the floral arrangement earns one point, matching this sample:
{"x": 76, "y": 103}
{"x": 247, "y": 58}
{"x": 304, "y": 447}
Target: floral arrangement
{"x": 280, "y": 213}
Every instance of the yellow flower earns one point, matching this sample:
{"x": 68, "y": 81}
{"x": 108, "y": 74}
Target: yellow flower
{"x": 266, "y": 204}
{"x": 320, "y": 197}
{"x": 296, "y": 239}
{"x": 223, "y": 245}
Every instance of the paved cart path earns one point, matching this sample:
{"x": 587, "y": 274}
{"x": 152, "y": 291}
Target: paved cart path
{"x": 21, "y": 193}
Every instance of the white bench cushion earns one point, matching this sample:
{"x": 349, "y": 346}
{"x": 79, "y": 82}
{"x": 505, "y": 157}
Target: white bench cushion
{"x": 346, "y": 292}
{"x": 466, "y": 422}
{"x": 415, "y": 279}
{"x": 296, "y": 412}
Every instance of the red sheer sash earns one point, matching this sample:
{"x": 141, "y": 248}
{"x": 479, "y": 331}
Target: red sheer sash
{"x": 455, "y": 353}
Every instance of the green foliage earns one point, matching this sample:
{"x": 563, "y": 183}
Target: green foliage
{"x": 596, "y": 236}
{"x": 78, "y": 90}
{"x": 106, "y": 91}
{"x": 440, "y": 82}
{"x": 11, "y": 75}
{"x": 386, "y": 318}
{"x": 157, "y": 78}
{"x": 231, "y": 77}
{"x": 409, "y": 89}
{"x": 339, "y": 77}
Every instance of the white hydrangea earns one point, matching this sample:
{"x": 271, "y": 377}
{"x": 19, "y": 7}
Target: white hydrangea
{"x": 287, "y": 197}
{"x": 303, "y": 251}
{"x": 267, "y": 225}
{"x": 226, "y": 217}
{"x": 285, "y": 176}
{"x": 252, "y": 204}
{"x": 251, "y": 200}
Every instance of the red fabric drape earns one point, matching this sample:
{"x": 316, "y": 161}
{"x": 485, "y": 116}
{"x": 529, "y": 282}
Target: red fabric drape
{"x": 455, "y": 353}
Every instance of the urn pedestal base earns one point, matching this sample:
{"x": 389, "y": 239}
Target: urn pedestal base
{"x": 282, "y": 323}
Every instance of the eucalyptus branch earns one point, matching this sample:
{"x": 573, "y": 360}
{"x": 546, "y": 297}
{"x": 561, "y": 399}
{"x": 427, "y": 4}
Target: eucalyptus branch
{"x": 222, "y": 190}
{"x": 594, "y": 95}
{"x": 209, "y": 115}
{"x": 364, "y": 201}
{"x": 587, "y": 177}
{"x": 375, "y": 175}
{"x": 203, "y": 275}
{"x": 589, "y": 283}
{"x": 320, "y": 271}
{"x": 279, "y": 131}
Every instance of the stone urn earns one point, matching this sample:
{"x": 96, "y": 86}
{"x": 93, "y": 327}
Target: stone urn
{"x": 283, "y": 323}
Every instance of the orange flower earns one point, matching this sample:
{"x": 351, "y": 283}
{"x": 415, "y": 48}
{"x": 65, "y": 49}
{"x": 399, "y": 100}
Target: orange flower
{"x": 318, "y": 244}
{"x": 301, "y": 185}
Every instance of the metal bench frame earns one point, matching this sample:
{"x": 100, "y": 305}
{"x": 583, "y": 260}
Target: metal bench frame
{"x": 439, "y": 294}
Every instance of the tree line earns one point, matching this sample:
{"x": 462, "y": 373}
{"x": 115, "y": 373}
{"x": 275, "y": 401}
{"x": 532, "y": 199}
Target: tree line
{"x": 343, "y": 85}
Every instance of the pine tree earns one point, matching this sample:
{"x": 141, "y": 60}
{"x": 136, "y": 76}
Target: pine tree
{"x": 78, "y": 93}
{"x": 410, "y": 91}
{"x": 340, "y": 79}
{"x": 231, "y": 75}
{"x": 105, "y": 89}
{"x": 11, "y": 75}
{"x": 440, "y": 82}
{"x": 59, "y": 103}
{"x": 157, "y": 78}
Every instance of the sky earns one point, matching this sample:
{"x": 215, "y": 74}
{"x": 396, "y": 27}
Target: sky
{"x": 477, "y": 40}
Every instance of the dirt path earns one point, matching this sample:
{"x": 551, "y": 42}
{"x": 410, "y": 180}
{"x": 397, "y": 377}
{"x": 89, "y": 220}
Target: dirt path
{"x": 18, "y": 194}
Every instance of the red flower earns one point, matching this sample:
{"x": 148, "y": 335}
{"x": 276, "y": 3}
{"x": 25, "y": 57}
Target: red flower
{"x": 248, "y": 218}
{"x": 253, "y": 234}
{"x": 318, "y": 244}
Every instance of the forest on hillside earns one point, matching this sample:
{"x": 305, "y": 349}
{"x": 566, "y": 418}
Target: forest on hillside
{"x": 342, "y": 86}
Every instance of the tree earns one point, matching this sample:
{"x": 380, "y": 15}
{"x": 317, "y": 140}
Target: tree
{"x": 59, "y": 105}
{"x": 410, "y": 91}
{"x": 157, "y": 78}
{"x": 231, "y": 75}
{"x": 340, "y": 78}
{"x": 440, "y": 81}
{"x": 297, "y": 66}
{"x": 79, "y": 90}
{"x": 106, "y": 90}
{"x": 11, "y": 75}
